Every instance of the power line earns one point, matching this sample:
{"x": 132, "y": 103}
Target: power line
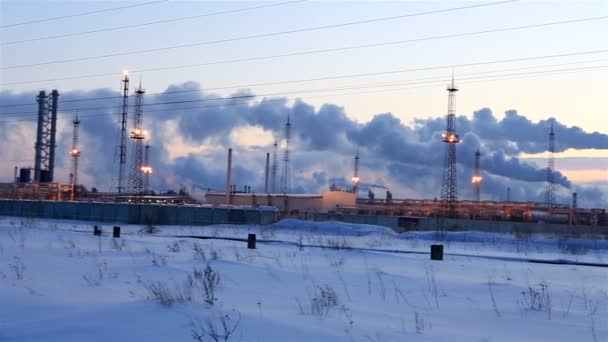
{"x": 320, "y": 90}
{"x": 461, "y": 65}
{"x": 81, "y": 14}
{"x": 116, "y": 28}
{"x": 293, "y": 54}
{"x": 308, "y": 29}
{"x": 499, "y": 78}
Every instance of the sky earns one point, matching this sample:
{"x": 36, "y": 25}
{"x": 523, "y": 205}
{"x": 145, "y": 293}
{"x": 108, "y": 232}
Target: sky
{"x": 332, "y": 113}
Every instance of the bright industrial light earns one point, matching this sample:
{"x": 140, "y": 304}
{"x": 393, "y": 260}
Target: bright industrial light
{"x": 125, "y": 73}
{"x": 355, "y": 179}
{"x": 146, "y": 169}
{"x": 476, "y": 179}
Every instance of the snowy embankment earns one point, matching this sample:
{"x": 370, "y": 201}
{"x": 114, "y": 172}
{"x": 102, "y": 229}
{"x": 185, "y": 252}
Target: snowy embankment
{"x": 306, "y": 281}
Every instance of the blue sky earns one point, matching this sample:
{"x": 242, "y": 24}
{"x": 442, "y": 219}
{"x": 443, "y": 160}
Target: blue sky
{"x": 576, "y": 98}
{"x": 539, "y": 97}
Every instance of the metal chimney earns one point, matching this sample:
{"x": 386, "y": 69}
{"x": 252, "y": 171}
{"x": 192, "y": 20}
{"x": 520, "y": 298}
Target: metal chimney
{"x": 228, "y": 177}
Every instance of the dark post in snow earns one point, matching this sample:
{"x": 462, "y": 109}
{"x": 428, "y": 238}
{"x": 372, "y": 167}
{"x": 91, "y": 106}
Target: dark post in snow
{"x": 251, "y": 241}
{"x": 116, "y": 233}
{"x": 96, "y": 230}
{"x": 436, "y": 252}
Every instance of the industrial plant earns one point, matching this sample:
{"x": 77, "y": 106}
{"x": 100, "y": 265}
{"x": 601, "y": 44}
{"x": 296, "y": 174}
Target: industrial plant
{"x": 33, "y": 186}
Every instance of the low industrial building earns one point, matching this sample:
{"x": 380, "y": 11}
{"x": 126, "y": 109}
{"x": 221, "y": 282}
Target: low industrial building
{"x": 295, "y": 204}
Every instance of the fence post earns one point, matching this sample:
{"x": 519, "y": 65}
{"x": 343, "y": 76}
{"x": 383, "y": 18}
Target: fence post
{"x": 96, "y": 230}
{"x": 436, "y": 252}
{"x": 251, "y": 241}
{"x": 116, "y": 232}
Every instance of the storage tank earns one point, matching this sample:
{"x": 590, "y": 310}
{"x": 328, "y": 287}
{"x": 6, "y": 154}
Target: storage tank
{"x": 25, "y": 175}
{"x": 45, "y": 176}
{"x": 543, "y": 216}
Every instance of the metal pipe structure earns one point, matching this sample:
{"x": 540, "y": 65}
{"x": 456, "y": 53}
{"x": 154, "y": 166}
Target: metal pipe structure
{"x": 123, "y": 132}
{"x": 266, "y": 189}
{"x": 356, "y": 178}
{"x": 75, "y": 153}
{"x": 273, "y": 177}
{"x": 53, "y": 132}
{"x": 286, "y": 176}
{"x": 477, "y": 177}
{"x": 38, "y": 157}
{"x": 146, "y": 169}
{"x": 44, "y": 163}
{"x": 229, "y": 177}
{"x": 550, "y": 192}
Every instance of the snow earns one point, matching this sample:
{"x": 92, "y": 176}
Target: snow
{"x": 58, "y": 282}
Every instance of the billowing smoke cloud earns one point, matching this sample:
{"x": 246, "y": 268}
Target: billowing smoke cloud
{"x": 191, "y": 131}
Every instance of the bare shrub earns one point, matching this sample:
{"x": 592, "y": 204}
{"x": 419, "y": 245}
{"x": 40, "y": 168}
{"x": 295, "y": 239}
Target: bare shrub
{"x": 160, "y": 291}
{"x": 199, "y": 252}
{"x": 537, "y": 298}
{"x": 167, "y": 296}
{"x": 379, "y": 273}
{"x": 418, "y": 323}
{"x": 338, "y": 243}
{"x": 174, "y": 247}
{"x": 336, "y": 262}
{"x": 215, "y": 255}
{"x": 431, "y": 283}
{"x": 209, "y": 280}
{"x": 19, "y": 238}
{"x": 17, "y": 267}
{"x": 494, "y": 305}
{"x": 149, "y": 229}
{"x": 101, "y": 271}
{"x": 118, "y": 244}
{"x": 325, "y": 298}
{"x": 220, "y": 328}
{"x": 156, "y": 259}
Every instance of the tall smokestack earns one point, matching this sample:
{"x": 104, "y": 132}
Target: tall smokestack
{"x": 356, "y": 179}
{"x": 229, "y": 176}
{"x": 53, "y": 113}
{"x": 266, "y": 173}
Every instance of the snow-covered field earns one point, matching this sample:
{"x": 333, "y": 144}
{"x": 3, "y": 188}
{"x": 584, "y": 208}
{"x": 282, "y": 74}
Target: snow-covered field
{"x": 306, "y": 281}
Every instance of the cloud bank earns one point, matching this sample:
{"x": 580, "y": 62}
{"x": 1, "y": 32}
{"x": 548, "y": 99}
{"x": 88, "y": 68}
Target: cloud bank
{"x": 192, "y": 130}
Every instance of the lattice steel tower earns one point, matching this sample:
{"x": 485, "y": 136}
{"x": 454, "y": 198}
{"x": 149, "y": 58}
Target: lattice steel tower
{"x": 449, "y": 192}
{"x": 122, "y": 148}
{"x": 44, "y": 159}
{"x": 137, "y": 135}
{"x": 285, "y": 177}
{"x": 477, "y": 177}
{"x": 550, "y": 194}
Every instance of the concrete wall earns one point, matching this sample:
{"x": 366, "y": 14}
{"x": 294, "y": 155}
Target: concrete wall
{"x": 401, "y": 224}
{"x": 137, "y": 213}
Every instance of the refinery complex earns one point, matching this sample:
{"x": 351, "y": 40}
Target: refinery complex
{"x": 133, "y": 172}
